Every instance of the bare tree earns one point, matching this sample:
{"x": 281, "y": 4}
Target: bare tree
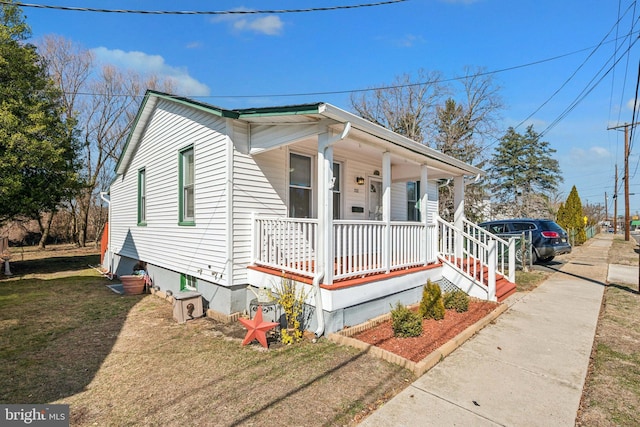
{"x": 462, "y": 130}
{"x": 457, "y": 121}
{"x": 407, "y": 106}
{"x": 103, "y": 100}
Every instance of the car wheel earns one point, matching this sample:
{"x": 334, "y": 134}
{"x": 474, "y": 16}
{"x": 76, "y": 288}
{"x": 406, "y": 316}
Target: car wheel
{"x": 547, "y": 259}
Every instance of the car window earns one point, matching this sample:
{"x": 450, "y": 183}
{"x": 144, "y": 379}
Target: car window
{"x": 551, "y": 226}
{"x": 523, "y": 226}
{"x": 497, "y": 228}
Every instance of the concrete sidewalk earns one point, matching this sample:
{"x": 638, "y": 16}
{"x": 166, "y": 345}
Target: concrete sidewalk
{"x": 527, "y": 369}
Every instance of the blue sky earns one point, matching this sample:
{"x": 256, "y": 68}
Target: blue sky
{"x": 245, "y": 60}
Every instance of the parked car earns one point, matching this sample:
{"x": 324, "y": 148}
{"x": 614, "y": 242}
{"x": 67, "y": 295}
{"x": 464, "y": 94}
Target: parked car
{"x": 548, "y": 239}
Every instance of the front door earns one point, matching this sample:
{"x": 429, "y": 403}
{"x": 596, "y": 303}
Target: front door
{"x": 375, "y": 199}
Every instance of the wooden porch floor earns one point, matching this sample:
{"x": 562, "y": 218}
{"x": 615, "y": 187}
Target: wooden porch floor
{"x": 504, "y": 288}
{"x": 345, "y": 283}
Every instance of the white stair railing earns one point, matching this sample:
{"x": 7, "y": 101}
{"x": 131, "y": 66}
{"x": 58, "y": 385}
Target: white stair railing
{"x": 505, "y": 249}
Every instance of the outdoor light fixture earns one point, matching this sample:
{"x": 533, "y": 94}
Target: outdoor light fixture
{"x": 360, "y": 180}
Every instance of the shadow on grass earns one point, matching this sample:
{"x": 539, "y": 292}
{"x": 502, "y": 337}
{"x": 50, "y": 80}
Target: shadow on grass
{"x": 54, "y": 264}
{"x": 56, "y": 334}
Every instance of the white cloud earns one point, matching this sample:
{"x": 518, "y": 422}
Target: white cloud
{"x": 410, "y": 40}
{"x": 144, "y": 63}
{"x": 581, "y": 158}
{"x": 630, "y": 104}
{"x": 270, "y": 25}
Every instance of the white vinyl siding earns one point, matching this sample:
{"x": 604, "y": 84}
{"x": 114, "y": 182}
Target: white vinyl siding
{"x": 259, "y": 187}
{"x": 199, "y": 251}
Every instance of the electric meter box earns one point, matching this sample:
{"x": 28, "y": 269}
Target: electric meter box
{"x": 187, "y": 306}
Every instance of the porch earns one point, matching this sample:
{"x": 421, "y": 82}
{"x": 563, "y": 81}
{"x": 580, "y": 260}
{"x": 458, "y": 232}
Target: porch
{"x": 365, "y": 252}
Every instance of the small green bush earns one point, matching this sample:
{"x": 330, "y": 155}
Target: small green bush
{"x": 405, "y": 322}
{"x": 432, "y": 305}
{"x": 456, "y": 300}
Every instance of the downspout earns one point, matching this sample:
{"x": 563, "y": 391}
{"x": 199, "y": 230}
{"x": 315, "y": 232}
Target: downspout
{"x": 317, "y": 278}
{"x": 107, "y": 200}
{"x": 472, "y": 180}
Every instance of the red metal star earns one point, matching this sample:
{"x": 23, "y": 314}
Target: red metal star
{"x": 256, "y": 329}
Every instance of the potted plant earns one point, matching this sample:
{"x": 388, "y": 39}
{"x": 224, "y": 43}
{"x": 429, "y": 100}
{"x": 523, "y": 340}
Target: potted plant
{"x": 132, "y": 284}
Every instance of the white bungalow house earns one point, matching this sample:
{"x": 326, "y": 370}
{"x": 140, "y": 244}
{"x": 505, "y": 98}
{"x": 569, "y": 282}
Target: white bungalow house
{"x": 219, "y": 201}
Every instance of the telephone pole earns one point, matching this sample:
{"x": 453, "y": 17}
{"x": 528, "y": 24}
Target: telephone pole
{"x": 627, "y": 222}
{"x": 615, "y": 203}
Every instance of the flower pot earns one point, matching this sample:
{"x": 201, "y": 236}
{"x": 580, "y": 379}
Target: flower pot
{"x": 132, "y": 285}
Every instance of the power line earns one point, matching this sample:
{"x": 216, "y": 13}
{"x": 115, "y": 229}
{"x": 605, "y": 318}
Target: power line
{"x": 587, "y": 90}
{"x": 339, "y": 92}
{"x": 615, "y": 26}
{"x": 201, "y": 12}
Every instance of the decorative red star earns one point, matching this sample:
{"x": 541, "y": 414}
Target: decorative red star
{"x": 256, "y": 329}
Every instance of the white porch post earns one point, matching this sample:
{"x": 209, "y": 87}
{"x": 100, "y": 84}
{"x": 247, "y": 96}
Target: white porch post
{"x": 424, "y": 214}
{"x": 386, "y": 208}
{"x": 458, "y": 215}
{"x": 324, "y": 256}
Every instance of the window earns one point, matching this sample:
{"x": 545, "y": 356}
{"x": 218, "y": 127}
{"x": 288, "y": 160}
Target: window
{"x": 336, "y": 191}
{"x": 299, "y": 186}
{"x": 142, "y": 197}
{"x": 188, "y": 283}
{"x": 186, "y": 184}
{"x": 413, "y": 201}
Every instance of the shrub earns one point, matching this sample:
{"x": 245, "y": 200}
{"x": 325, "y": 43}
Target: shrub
{"x": 292, "y": 302}
{"x": 432, "y": 305}
{"x": 457, "y": 300}
{"x": 405, "y": 323}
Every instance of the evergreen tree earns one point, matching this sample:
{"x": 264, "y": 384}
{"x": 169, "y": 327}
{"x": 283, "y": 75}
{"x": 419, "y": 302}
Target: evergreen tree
{"x": 571, "y": 217}
{"x": 523, "y": 172}
{"x": 37, "y": 150}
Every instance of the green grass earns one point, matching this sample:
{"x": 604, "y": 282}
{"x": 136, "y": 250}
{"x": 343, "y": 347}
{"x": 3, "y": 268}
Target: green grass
{"x": 611, "y": 394}
{"x": 528, "y": 280}
{"x": 116, "y": 360}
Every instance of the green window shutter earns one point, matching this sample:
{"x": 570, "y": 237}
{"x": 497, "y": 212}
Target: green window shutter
{"x": 183, "y": 282}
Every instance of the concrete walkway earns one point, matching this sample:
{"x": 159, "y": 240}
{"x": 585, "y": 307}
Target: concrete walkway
{"x": 527, "y": 369}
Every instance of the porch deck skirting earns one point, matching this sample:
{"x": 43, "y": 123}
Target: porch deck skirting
{"x": 357, "y": 248}
{"x": 353, "y": 301}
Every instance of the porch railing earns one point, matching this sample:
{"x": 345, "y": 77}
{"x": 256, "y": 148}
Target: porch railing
{"x": 359, "y": 247}
{"x": 474, "y": 252}
{"x": 505, "y": 249}
{"x": 287, "y": 244}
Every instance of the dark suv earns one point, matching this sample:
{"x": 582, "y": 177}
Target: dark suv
{"x": 548, "y": 238}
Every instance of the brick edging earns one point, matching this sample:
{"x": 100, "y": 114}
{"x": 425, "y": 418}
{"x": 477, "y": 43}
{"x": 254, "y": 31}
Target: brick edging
{"x": 344, "y": 337}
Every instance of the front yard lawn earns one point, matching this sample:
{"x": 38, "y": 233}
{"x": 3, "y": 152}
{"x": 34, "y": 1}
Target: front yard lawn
{"x": 67, "y": 338}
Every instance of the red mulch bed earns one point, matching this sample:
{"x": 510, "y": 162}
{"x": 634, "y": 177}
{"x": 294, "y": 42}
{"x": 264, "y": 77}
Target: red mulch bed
{"x": 434, "y": 332}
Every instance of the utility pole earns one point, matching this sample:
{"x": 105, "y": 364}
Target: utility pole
{"x": 606, "y": 210}
{"x": 627, "y": 222}
{"x": 615, "y": 203}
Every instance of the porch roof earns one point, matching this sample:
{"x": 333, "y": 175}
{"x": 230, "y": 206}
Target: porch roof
{"x": 301, "y": 114}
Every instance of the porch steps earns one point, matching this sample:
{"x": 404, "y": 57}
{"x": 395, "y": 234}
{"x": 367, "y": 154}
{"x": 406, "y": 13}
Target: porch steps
{"x": 504, "y": 288}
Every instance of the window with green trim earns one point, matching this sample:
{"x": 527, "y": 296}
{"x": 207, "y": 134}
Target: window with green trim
{"x": 188, "y": 283}
{"x": 142, "y": 197}
{"x": 187, "y": 187}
